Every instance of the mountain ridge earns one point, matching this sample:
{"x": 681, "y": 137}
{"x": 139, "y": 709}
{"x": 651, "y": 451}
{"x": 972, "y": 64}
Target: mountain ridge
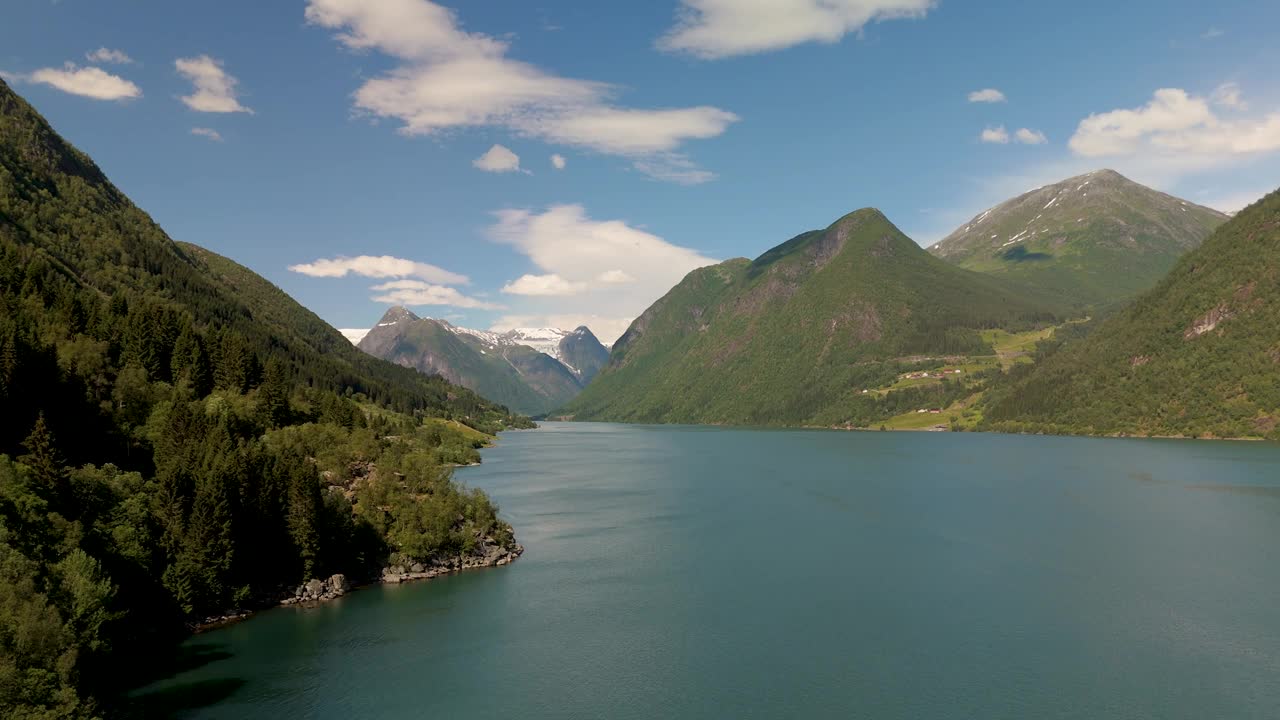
{"x": 505, "y": 365}
{"x": 786, "y": 338}
{"x": 1196, "y": 356}
{"x": 1096, "y": 238}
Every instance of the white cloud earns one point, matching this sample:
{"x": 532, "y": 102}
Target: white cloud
{"x": 90, "y": 82}
{"x": 557, "y": 161}
{"x": 1027, "y": 136}
{"x": 107, "y": 55}
{"x": 1227, "y": 95}
{"x": 550, "y": 285}
{"x": 614, "y": 277}
{"x": 378, "y": 266}
{"x": 632, "y": 132}
{"x": 1177, "y": 128}
{"x": 579, "y": 261}
{"x": 997, "y": 135}
{"x": 215, "y": 90}
{"x": 1213, "y": 32}
{"x": 498, "y": 159}
{"x": 989, "y": 95}
{"x": 417, "y": 292}
{"x": 450, "y": 78}
{"x": 713, "y": 29}
{"x": 208, "y": 133}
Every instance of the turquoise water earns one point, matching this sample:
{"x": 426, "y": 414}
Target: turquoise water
{"x": 719, "y": 573}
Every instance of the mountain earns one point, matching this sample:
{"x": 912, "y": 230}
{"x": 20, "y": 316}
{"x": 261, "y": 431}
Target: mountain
{"x": 509, "y": 367}
{"x": 795, "y": 336}
{"x": 1096, "y": 239}
{"x": 1198, "y": 355}
{"x": 181, "y": 440}
{"x": 582, "y": 352}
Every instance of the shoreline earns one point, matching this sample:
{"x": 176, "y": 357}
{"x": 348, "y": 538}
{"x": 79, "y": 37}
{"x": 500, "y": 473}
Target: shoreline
{"x": 318, "y": 592}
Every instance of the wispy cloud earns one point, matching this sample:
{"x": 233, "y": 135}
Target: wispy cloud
{"x": 989, "y": 95}
{"x": 107, "y": 55}
{"x": 90, "y": 82}
{"x": 408, "y": 282}
{"x": 713, "y": 29}
{"x": 209, "y": 133}
{"x": 418, "y": 293}
{"x": 1212, "y": 33}
{"x": 551, "y": 285}
{"x": 1027, "y": 136}
{"x": 1227, "y": 95}
{"x": 451, "y": 78}
{"x": 215, "y": 89}
{"x": 996, "y": 135}
{"x": 379, "y": 266}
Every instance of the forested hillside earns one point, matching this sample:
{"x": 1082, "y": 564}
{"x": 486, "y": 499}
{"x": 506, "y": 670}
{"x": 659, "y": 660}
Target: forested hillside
{"x": 796, "y": 336}
{"x": 179, "y": 438}
{"x": 1198, "y": 356}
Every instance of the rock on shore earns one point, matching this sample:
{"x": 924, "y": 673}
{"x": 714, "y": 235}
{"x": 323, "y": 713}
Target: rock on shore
{"x": 489, "y": 555}
{"x": 316, "y": 590}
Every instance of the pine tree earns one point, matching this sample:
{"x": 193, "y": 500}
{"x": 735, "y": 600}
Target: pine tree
{"x": 273, "y": 394}
{"x": 190, "y": 362}
{"x": 48, "y": 471}
{"x": 304, "y": 512}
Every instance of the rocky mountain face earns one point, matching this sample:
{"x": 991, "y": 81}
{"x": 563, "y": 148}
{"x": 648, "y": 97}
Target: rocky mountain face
{"x": 582, "y": 352}
{"x": 792, "y": 337}
{"x": 532, "y": 369}
{"x": 1095, "y": 239}
{"x": 1197, "y": 355}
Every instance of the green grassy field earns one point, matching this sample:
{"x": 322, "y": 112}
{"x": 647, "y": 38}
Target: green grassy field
{"x": 1011, "y": 348}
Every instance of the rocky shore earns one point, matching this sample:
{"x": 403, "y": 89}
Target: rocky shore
{"x": 316, "y": 590}
{"x": 491, "y": 556}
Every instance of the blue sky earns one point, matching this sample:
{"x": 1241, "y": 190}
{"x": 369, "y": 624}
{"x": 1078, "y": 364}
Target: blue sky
{"x": 371, "y": 146}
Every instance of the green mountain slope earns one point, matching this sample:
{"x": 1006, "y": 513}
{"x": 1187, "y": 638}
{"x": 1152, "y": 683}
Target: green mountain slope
{"x": 518, "y": 376}
{"x": 795, "y": 335}
{"x": 1095, "y": 239}
{"x": 1197, "y": 355}
{"x": 180, "y": 439}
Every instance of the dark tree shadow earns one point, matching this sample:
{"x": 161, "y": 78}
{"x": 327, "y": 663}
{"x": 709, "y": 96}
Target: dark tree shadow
{"x": 184, "y": 658}
{"x": 174, "y": 700}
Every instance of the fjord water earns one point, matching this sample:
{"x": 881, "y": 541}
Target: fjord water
{"x": 714, "y": 573}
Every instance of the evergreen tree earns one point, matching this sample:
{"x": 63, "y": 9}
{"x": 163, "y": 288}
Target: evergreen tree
{"x": 190, "y": 362}
{"x": 304, "y": 512}
{"x": 273, "y": 394}
{"x": 48, "y": 471}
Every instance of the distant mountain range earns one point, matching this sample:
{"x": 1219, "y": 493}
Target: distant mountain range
{"x": 1095, "y": 239}
{"x": 533, "y": 370}
{"x": 794, "y": 336}
{"x": 843, "y": 326}
{"x": 1198, "y": 355}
